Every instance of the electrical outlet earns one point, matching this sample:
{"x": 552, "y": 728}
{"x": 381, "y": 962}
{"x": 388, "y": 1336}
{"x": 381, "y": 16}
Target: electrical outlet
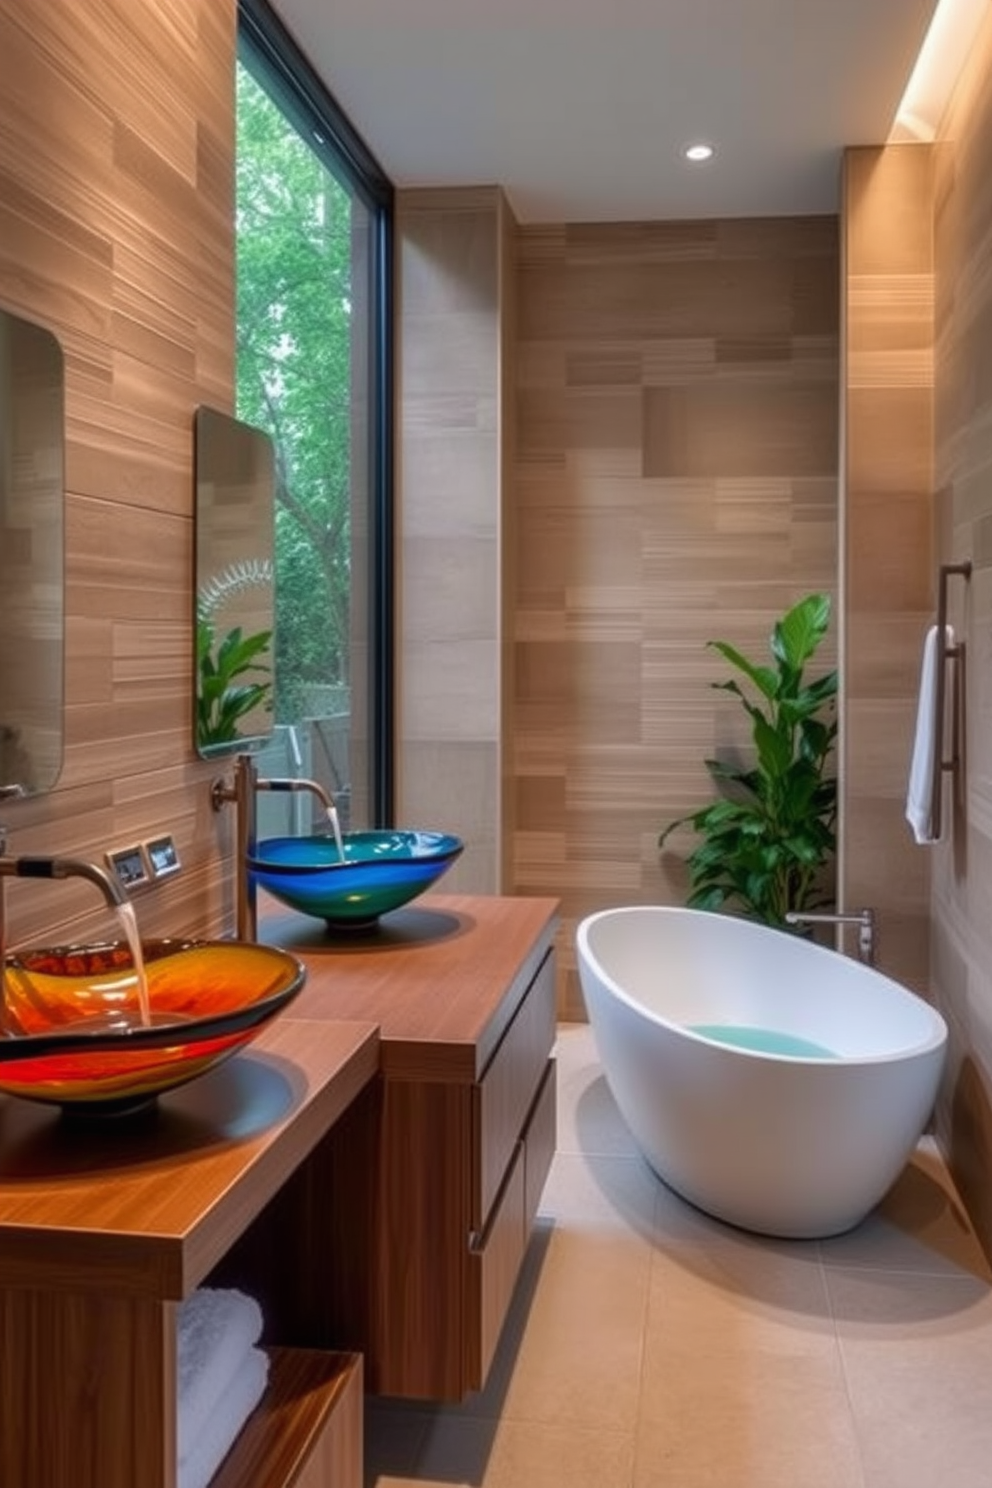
{"x": 129, "y": 867}
{"x": 163, "y": 857}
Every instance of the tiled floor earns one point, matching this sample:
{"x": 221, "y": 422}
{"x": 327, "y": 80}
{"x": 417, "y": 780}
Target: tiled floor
{"x": 652, "y": 1347}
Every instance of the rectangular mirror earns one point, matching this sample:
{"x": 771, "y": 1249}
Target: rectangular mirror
{"x": 235, "y": 582}
{"x": 32, "y": 542}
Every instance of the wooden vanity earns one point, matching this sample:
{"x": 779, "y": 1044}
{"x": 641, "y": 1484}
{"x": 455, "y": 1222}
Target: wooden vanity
{"x": 369, "y": 1169}
{"x": 436, "y": 1171}
{"x": 105, "y": 1226}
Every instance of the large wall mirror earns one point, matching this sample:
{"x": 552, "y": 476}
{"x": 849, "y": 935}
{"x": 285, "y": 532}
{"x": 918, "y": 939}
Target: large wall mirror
{"x": 235, "y": 583}
{"x": 32, "y": 562}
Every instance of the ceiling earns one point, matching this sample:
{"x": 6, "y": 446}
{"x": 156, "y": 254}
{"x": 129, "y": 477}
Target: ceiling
{"x": 579, "y": 108}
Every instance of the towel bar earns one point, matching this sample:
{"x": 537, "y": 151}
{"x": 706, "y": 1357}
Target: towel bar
{"x": 946, "y": 653}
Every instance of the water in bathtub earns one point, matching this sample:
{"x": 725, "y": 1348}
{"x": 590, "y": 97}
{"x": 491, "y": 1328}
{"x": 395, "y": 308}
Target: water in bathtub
{"x": 762, "y": 1040}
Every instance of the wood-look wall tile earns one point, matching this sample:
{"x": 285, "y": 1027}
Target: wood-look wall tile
{"x": 623, "y": 576}
{"x": 728, "y": 428}
{"x": 886, "y": 231}
{"x": 888, "y": 315}
{"x": 890, "y": 438}
{"x": 450, "y": 588}
{"x": 962, "y": 867}
{"x": 116, "y": 231}
{"x": 889, "y": 557}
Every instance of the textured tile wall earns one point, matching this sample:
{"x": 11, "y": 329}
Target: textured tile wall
{"x": 116, "y": 232}
{"x": 889, "y": 561}
{"x": 452, "y": 274}
{"x": 676, "y": 482}
{"x": 962, "y": 866}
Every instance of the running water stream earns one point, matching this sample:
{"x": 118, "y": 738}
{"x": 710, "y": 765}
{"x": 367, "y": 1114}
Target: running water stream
{"x": 332, "y": 817}
{"x": 129, "y": 923}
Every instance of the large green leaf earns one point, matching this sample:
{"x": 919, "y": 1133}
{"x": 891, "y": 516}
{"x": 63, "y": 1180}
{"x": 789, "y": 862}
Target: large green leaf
{"x": 797, "y": 635}
{"x": 774, "y": 748}
{"x": 764, "y": 678}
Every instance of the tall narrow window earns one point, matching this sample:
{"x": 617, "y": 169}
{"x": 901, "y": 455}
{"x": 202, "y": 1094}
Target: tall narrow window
{"x": 312, "y": 370}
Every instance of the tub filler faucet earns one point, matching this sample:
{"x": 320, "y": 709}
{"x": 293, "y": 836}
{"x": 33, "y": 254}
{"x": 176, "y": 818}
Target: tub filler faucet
{"x": 863, "y": 918}
{"x": 243, "y": 792}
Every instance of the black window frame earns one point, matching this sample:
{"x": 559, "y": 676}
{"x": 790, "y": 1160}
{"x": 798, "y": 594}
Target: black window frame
{"x": 274, "y": 57}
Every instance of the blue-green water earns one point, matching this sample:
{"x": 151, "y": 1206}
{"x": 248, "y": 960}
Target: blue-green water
{"x": 763, "y": 1040}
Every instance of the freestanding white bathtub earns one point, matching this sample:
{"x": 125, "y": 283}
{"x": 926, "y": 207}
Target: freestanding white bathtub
{"x": 774, "y": 1083}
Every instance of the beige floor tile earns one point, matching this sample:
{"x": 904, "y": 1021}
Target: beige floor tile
{"x": 920, "y": 1225}
{"x": 768, "y": 1423}
{"x": 521, "y": 1454}
{"x": 743, "y": 1304}
{"x": 588, "y": 1120}
{"x": 594, "y": 1193}
{"x": 579, "y": 1360}
{"x": 917, "y": 1352}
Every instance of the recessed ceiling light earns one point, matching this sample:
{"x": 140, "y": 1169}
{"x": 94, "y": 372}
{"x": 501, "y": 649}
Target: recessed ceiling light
{"x": 698, "y": 153}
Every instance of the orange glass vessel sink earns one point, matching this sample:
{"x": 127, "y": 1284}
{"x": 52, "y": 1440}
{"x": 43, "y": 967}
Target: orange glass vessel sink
{"x": 82, "y": 1030}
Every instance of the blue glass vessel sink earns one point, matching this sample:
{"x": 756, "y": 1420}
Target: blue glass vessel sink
{"x": 380, "y": 871}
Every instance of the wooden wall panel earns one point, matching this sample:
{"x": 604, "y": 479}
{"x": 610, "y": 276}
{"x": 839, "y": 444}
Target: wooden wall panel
{"x": 889, "y": 559}
{"x": 961, "y": 957}
{"x": 116, "y": 232}
{"x": 650, "y": 520}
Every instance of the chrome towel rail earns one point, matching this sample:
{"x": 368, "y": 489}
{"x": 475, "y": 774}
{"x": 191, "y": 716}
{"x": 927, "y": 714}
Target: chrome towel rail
{"x": 945, "y": 653}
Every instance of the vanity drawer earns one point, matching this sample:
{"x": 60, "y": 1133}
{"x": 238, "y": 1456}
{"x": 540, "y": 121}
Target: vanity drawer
{"x": 493, "y": 1266}
{"x": 539, "y": 1143}
{"x": 495, "y": 1258}
{"x": 505, "y": 1093}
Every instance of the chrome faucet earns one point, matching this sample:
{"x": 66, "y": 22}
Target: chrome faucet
{"x": 863, "y": 918}
{"x": 42, "y": 867}
{"x": 243, "y": 791}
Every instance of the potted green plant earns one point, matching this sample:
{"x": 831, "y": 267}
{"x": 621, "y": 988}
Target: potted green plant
{"x": 769, "y": 837}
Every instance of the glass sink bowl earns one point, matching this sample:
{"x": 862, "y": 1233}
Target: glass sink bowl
{"x": 77, "y": 1032}
{"x": 380, "y": 871}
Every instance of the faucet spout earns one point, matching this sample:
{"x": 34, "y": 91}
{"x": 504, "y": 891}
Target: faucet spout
{"x": 32, "y": 867}
{"x": 26, "y": 866}
{"x": 863, "y": 918}
{"x": 315, "y": 788}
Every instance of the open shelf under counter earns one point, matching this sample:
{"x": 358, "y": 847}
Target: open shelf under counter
{"x": 307, "y": 1431}
{"x": 107, "y": 1224}
{"x": 436, "y": 1171}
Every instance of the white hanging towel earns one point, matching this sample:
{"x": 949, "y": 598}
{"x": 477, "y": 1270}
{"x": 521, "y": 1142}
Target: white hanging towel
{"x": 919, "y": 795}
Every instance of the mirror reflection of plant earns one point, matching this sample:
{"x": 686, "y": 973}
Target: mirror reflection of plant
{"x": 222, "y": 701}
{"x": 767, "y": 841}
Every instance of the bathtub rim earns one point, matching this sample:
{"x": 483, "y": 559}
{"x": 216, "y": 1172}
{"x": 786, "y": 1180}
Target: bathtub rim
{"x": 937, "y": 1039}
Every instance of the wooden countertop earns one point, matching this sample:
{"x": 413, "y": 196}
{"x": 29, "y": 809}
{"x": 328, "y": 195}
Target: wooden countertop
{"x": 148, "y": 1203}
{"x": 434, "y": 976}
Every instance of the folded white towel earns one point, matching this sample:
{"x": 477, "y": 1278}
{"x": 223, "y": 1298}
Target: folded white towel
{"x": 919, "y": 793}
{"x": 216, "y": 1329}
{"x": 230, "y": 1412}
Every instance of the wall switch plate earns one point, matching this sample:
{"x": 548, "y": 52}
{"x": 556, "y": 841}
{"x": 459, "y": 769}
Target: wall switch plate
{"x": 162, "y": 855}
{"x": 129, "y": 867}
